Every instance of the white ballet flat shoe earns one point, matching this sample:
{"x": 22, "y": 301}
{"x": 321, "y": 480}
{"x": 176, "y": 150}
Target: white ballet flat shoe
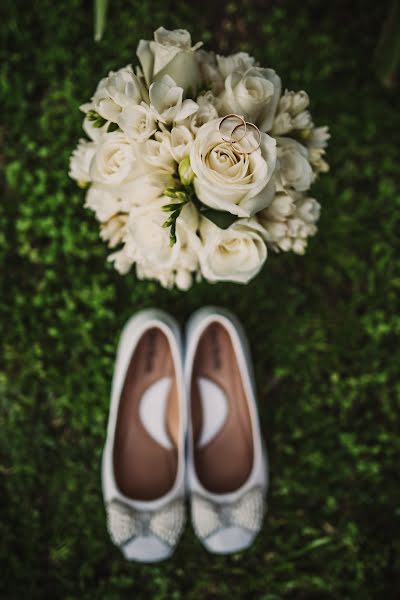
{"x": 143, "y": 467}
{"x": 227, "y": 473}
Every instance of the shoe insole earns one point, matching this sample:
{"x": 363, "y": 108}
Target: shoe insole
{"x": 147, "y": 430}
{"x": 223, "y": 442}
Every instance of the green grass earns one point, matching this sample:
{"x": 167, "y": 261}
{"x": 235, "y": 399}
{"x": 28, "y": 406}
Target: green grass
{"x": 324, "y": 328}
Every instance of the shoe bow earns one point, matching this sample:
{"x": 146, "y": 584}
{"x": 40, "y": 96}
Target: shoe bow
{"x": 247, "y": 512}
{"x": 125, "y": 522}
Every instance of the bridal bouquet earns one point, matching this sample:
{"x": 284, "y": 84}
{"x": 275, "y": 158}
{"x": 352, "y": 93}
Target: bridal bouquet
{"x": 197, "y": 164}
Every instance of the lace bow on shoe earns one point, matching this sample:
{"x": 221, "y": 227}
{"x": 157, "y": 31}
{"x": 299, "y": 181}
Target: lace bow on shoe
{"x": 210, "y": 517}
{"x": 124, "y": 523}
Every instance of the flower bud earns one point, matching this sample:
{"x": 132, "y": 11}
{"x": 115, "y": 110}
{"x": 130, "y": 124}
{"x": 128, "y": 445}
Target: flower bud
{"x": 185, "y": 171}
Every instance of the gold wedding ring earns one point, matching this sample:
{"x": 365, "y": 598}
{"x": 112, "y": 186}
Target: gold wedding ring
{"x": 244, "y": 136}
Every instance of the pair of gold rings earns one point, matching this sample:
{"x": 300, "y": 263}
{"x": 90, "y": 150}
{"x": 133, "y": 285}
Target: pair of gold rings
{"x": 245, "y": 137}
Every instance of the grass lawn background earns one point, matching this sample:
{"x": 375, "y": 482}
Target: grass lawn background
{"x": 324, "y": 328}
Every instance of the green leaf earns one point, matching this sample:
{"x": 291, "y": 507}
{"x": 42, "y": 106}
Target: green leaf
{"x": 171, "y": 207}
{"x": 112, "y": 127}
{"x": 220, "y": 218}
{"x": 100, "y": 16}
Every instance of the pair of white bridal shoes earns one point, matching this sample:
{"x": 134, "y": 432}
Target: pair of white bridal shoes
{"x": 183, "y": 423}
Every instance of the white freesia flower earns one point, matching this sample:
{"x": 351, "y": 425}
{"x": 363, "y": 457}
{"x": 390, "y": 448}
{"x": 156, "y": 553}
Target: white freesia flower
{"x": 292, "y": 114}
{"x": 114, "y": 159}
{"x": 209, "y": 71}
{"x": 181, "y": 142}
{"x": 113, "y": 230}
{"x": 233, "y": 254}
{"x": 116, "y": 91}
{"x": 318, "y": 137}
{"x": 207, "y": 111}
{"x": 289, "y": 221}
{"x": 239, "y": 63}
{"x": 167, "y": 102}
{"x": 316, "y": 142}
{"x": 95, "y": 133}
{"x": 104, "y": 202}
{"x": 148, "y": 185}
{"x": 171, "y": 53}
{"x": 282, "y": 207}
{"x": 228, "y": 180}
{"x": 253, "y": 94}
{"x": 294, "y": 168}
{"x": 138, "y": 122}
{"x": 294, "y": 102}
{"x": 317, "y": 161}
{"x": 156, "y": 258}
{"x": 302, "y": 120}
{"x": 79, "y": 164}
{"x": 156, "y": 155}
{"x": 124, "y": 258}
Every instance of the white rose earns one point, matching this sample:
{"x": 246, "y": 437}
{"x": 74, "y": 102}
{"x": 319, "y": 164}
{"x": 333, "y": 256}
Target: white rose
{"x": 155, "y": 257}
{"x": 171, "y": 53}
{"x": 116, "y": 91}
{"x": 239, "y": 62}
{"x": 227, "y": 180}
{"x": 253, "y": 94}
{"x": 114, "y": 159}
{"x": 79, "y": 163}
{"x": 233, "y": 254}
{"x": 166, "y": 99}
{"x": 294, "y": 168}
{"x": 137, "y": 122}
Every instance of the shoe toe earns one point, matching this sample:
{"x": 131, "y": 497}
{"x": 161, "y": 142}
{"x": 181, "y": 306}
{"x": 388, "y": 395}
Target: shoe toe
{"x": 146, "y": 549}
{"x": 229, "y": 539}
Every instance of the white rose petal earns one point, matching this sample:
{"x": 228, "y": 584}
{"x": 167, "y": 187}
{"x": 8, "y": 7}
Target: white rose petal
{"x": 294, "y": 168}
{"x": 170, "y": 54}
{"x": 234, "y": 254}
{"x": 114, "y": 159}
{"x": 227, "y": 180}
{"x": 253, "y": 94}
{"x": 80, "y": 160}
{"x": 239, "y": 62}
